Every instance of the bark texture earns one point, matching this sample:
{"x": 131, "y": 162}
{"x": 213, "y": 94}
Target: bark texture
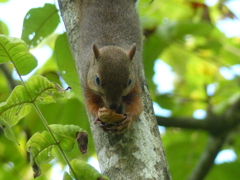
{"x": 136, "y": 155}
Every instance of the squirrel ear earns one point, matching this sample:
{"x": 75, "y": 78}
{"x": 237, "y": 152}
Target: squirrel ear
{"x": 132, "y": 51}
{"x": 96, "y": 51}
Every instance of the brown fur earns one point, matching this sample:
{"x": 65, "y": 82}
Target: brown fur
{"x": 111, "y": 48}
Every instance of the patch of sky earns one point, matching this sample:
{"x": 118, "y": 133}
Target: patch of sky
{"x": 199, "y": 114}
{"x": 163, "y": 76}
{"x": 211, "y": 88}
{"x": 161, "y": 112}
{"x": 230, "y": 27}
{"x": 211, "y": 2}
{"x": 57, "y": 170}
{"x": 227, "y": 155}
{"x": 94, "y": 162}
{"x": 230, "y": 73}
{"x": 14, "y": 12}
{"x": 42, "y": 54}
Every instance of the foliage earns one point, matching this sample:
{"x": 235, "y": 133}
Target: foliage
{"x": 184, "y": 35}
{"x": 181, "y": 33}
{"x": 41, "y": 146}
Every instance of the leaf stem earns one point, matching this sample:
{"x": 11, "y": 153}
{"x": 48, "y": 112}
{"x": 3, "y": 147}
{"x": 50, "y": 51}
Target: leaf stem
{"x": 50, "y": 131}
{"x": 47, "y": 127}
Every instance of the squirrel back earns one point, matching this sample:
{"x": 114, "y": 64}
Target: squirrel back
{"x": 111, "y": 47}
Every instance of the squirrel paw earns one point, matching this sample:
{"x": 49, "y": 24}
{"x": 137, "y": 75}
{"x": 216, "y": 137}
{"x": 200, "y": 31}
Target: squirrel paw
{"x": 118, "y": 128}
{"x": 110, "y": 121}
{"x": 122, "y": 126}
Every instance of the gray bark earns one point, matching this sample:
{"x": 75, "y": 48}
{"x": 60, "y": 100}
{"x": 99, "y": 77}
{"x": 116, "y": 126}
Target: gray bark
{"x": 136, "y": 154}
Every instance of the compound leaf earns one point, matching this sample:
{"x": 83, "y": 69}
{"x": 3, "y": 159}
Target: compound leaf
{"x": 16, "y": 51}
{"x": 17, "y": 105}
{"x": 66, "y": 135}
{"x": 40, "y": 147}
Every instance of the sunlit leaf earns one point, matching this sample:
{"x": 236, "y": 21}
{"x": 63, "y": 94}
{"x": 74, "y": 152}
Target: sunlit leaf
{"x": 84, "y": 170}
{"x": 3, "y": 28}
{"x": 40, "y": 147}
{"x": 14, "y": 50}
{"x": 3, "y": 1}
{"x": 17, "y": 105}
{"x": 185, "y": 28}
{"x": 39, "y": 23}
{"x": 66, "y": 134}
{"x": 67, "y": 176}
{"x": 167, "y": 10}
{"x": 8, "y": 132}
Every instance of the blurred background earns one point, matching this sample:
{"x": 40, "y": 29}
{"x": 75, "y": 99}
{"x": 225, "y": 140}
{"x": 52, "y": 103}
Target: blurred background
{"x": 192, "y": 63}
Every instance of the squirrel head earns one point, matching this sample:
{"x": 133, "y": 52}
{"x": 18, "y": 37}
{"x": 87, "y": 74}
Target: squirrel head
{"x": 111, "y": 74}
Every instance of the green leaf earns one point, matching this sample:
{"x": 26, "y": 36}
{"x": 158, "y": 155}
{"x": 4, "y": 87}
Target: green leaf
{"x": 66, "y": 135}
{"x": 3, "y": 1}
{"x": 16, "y": 113}
{"x": 183, "y": 28}
{"x": 39, "y": 23}
{"x": 185, "y": 157}
{"x": 14, "y": 50}
{"x": 225, "y": 171}
{"x": 84, "y": 170}
{"x": 3, "y": 28}
{"x": 153, "y": 47}
{"x": 8, "y": 132}
{"x": 166, "y": 101}
{"x": 67, "y": 176}
{"x": 17, "y": 105}
{"x": 66, "y": 64}
{"x": 40, "y": 147}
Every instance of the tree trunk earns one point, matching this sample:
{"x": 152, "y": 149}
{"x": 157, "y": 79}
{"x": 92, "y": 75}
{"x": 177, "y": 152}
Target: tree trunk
{"x": 137, "y": 154}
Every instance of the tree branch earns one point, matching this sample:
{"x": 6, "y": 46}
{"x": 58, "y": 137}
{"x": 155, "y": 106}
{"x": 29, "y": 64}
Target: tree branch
{"x": 206, "y": 160}
{"x": 188, "y": 123}
{"x": 217, "y": 126}
{"x": 140, "y": 148}
{"x": 214, "y": 125}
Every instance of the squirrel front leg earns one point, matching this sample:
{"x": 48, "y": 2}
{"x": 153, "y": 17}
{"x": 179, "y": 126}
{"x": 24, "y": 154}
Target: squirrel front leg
{"x": 133, "y": 111}
{"x": 93, "y": 102}
{"x": 133, "y": 107}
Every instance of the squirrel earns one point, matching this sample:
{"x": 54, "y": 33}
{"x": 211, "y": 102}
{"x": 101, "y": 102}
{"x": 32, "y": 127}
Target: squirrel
{"x": 111, "y": 56}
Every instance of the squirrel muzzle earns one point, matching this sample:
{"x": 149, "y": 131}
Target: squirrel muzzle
{"x": 115, "y": 105}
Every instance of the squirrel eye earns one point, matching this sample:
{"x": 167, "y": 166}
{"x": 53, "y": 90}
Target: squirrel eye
{"x": 130, "y": 82}
{"x": 97, "y": 80}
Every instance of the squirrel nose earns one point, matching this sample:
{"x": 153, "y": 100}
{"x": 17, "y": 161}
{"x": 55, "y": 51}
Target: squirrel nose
{"x": 113, "y": 106}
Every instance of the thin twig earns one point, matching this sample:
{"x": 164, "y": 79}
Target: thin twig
{"x": 47, "y": 126}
